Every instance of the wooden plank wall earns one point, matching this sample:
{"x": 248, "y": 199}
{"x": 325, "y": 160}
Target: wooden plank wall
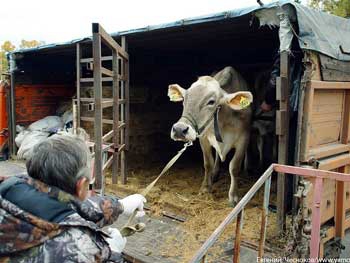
{"x": 326, "y": 138}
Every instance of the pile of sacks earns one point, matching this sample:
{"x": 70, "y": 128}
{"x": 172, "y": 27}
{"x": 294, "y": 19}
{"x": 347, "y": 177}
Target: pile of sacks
{"x": 40, "y": 130}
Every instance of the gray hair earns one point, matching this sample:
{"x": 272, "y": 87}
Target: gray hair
{"x": 60, "y": 161}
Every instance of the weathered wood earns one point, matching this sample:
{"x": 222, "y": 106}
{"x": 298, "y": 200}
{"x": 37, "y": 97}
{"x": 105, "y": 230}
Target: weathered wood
{"x": 105, "y": 79}
{"x": 334, "y": 70}
{"x": 326, "y": 105}
{"x": 283, "y": 141}
{"x": 108, "y": 136}
{"x": 96, "y": 47}
{"x": 340, "y": 208}
{"x": 109, "y": 41}
{"x": 346, "y": 119}
{"x": 237, "y": 246}
{"x": 107, "y": 72}
{"x": 116, "y": 116}
{"x": 78, "y": 69}
{"x": 316, "y": 67}
{"x": 329, "y": 85}
{"x": 316, "y": 220}
{"x": 281, "y": 94}
{"x": 123, "y": 159}
{"x": 334, "y": 162}
{"x": 264, "y": 213}
{"x": 281, "y": 122}
{"x": 326, "y": 150}
{"x": 87, "y": 60}
{"x": 106, "y": 121}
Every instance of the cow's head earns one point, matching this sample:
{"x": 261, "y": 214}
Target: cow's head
{"x": 200, "y": 102}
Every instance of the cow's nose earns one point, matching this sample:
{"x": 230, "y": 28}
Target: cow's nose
{"x": 180, "y": 130}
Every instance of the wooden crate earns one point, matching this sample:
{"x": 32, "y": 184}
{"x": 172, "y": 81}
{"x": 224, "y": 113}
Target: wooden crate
{"x": 347, "y": 201}
{"x": 328, "y": 200}
{"x": 326, "y": 119}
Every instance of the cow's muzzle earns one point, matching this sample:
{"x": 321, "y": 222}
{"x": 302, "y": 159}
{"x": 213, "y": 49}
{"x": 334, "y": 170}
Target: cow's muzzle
{"x": 183, "y": 132}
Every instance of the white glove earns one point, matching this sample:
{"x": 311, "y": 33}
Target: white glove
{"x": 133, "y": 202}
{"x": 116, "y": 242}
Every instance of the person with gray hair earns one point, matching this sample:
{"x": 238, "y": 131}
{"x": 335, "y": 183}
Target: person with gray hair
{"x": 47, "y": 217}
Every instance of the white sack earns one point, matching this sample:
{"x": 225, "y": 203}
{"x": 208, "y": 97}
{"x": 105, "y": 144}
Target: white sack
{"x": 28, "y": 143}
{"x": 48, "y": 123}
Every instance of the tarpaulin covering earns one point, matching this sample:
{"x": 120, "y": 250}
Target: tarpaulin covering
{"x": 318, "y": 31}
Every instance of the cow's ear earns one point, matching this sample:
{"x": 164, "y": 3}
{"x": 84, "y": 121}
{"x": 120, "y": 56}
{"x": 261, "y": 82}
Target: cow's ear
{"x": 176, "y": 93}
{"x": 239, "y": 100}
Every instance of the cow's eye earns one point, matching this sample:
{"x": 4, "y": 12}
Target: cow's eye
{"x": 211, "y": 102}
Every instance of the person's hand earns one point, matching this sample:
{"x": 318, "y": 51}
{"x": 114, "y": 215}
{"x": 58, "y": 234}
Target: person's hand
{"x": 133, "y": 202}
{"x": 116, "y": 242}
{"x": 265, "y": 107}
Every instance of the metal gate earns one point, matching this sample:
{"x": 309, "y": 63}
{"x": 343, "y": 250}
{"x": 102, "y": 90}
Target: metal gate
{"x": 106, "y": 66}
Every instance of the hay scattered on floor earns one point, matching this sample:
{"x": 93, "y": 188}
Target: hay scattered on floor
{"x": 177, "y": 192}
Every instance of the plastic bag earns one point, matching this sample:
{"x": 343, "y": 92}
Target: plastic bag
{"x": 20, "y": 137}
{"x": 31, "y": 139}
{"x": 49, "y": 123}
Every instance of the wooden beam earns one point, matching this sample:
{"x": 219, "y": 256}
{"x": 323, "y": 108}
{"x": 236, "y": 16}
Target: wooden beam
{"x": 106, "y": 72}
{"x": 90, "y": 119}
{"x": 105, "y": 79}
{"x": 108, "y": 136}
{"x": 116, "y": 117}
{"x": 109, "y": 41}
{"x": 87, "y": 60}
{"x": 78, "y": 70}
{"x": 97, "y": 79}
{"x": 329, "y": 85}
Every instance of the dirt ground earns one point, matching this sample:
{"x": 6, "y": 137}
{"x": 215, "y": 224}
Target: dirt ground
{"x": 177, "y": 192}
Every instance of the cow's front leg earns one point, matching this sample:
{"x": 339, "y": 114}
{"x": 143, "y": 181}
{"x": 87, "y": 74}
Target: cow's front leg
{"x": 208, "y": 166}
{"x": 235, "y": 167}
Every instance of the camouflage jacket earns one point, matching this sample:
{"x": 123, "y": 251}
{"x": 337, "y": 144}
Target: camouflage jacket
{"x": 25, "y": 237}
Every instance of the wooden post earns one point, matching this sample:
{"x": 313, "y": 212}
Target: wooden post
{"x": 78, "y": 69}
{"x": 96, "y": 41}
{"x": 124, "y": 113}
{"x": 116, "y": 142}
{"x": 237, "y": 245}
{"x": 264, "y": 214}
{"x": 282, "y": 126}
{"x": 316, "y": 220}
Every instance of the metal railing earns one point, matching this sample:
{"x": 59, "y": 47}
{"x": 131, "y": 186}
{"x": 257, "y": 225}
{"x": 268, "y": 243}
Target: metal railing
{"x": 237, "y": 211}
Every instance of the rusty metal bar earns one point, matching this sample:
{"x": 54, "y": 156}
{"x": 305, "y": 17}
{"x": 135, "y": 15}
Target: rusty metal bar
{"x": 231, "y": 216}
{"x": 96, "y": 48}
{"x": 264, "y": 215}
{"x": 316, "y": 220}
{"x": 237, "y": 246}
